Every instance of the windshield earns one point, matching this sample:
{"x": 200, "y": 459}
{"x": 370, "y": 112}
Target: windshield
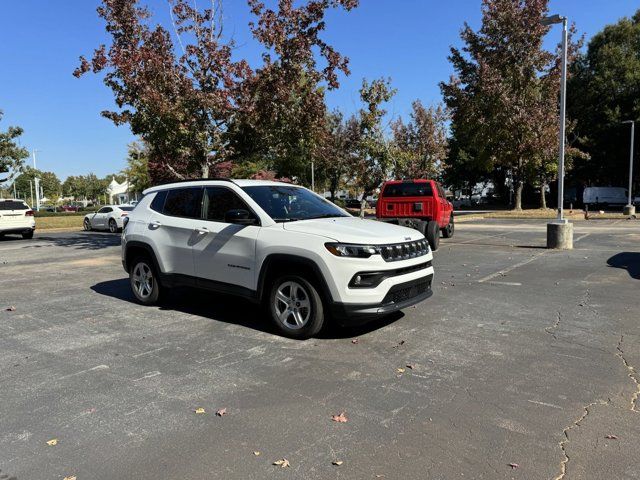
{"x": 290, "y": 203}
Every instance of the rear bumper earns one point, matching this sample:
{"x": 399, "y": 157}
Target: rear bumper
{"x": 400, "y": 296}
{"x": 17, "y": 230}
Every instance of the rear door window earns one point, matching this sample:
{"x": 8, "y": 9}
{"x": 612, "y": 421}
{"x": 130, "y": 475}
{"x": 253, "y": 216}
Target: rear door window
{"x": 408, "y": 190}
{"x": 183, "y": 202}
{"x": 13, "y": 205}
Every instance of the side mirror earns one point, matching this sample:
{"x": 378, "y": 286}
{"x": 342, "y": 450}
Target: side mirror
{"x": 239, "y": 217}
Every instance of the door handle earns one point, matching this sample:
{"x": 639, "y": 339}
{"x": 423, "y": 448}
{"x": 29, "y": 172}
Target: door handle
{"x": 155, "y": 224}
{"x": 202, "y": 231}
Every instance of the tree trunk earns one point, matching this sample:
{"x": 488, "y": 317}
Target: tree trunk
{"x": 518, "y": 200}
{"x": 363, "y": 203}
{"x": 543, "y": 195}
{"x": 205, "y": 170}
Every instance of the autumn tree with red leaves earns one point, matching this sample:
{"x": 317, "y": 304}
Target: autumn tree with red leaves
{"x": 504, "y": 95}
{"x": 420, "y": 146}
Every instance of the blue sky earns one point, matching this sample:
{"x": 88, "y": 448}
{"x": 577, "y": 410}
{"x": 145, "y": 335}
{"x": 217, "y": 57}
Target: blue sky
{"x": 40, "y": 41}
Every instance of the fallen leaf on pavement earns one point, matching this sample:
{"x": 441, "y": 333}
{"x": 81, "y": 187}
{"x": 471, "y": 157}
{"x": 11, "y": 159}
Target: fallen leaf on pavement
{"x": 402, "y": 341}
{"x": 53, "y": 442}
{"x": 337, "y": 462}
{"x": 342, "y": 418}
{"x": 611, "y": 437}
{"x": 514, "y": 465}
{"x": 72, "y": 477}
{"x": 282, "y": 463}
{"x": 221, "y": 412}
{"x": 199, "y": 410}
{"x": 400, "y": 370}
{"x": 256, "y": 453}
{"x": 11, "y": 309}
{"x": 411, "y": 366}
{"x": 354, "y": 341}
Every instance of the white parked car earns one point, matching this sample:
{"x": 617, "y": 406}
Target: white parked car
{"x": 110, "y": 217}
{"x": 282, "y": 245}
{"x": 16, "y": 217}
{"x": 604, "y": 196}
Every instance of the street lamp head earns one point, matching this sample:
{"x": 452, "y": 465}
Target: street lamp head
{"x": 551, "y": 20}
{"x": 628, "y": 121}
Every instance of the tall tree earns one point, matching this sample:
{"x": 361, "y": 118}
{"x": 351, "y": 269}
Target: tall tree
{"x": 12, "y": 155}
{"x": 49, "y": 182}
{"x": 137, "y": 171}
{"x": 499, "y": 97}
{"x": 605, "y": 91}
{"x": 180, "y": 104}
{"x": 420, "y": 146}
{"x": 373, "y": 161}
{"x": 281, "y": 119}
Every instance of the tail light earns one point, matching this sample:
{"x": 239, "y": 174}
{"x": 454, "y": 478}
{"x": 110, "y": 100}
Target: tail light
{"x": 124, "y": 214}
{"x": 29, "y": 213}
{"x": 125, "y": 222}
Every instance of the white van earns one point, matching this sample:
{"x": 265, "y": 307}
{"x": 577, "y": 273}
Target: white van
{"x": 593, "y": 196}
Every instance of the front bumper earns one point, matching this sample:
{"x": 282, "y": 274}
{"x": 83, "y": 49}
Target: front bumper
{"x": 399, "y": 296}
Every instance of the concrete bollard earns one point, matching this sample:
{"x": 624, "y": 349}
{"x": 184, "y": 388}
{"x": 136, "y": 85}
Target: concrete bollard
{"x": 629, "y": 210}
{"x": 560, "y": 235}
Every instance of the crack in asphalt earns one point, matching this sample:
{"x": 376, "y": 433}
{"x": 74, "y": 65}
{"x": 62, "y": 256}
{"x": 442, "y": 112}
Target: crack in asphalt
{"x": 552, "y": 329}
{"x": 633, "y": 375}
{"x": 565, "y": 432}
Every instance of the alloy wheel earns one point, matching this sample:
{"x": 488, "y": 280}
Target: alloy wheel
{"x": 142, "y": 280}
{"x": 292, "y": 305}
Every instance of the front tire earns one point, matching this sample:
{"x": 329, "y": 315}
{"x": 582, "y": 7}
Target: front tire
{"x": 113, "y": 226}
{"x": 295, "y": 307}
{"x": 447, "y": 232}
{"x": 144, "y": 281}
{"x": 86, "y": 225}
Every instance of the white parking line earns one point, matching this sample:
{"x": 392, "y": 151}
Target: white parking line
{"x": 512, "y": 267}
{"x": 513, "y": 284}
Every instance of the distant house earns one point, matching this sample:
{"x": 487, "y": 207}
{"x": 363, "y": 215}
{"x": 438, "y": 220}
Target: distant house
{"x": 119, "y": 193}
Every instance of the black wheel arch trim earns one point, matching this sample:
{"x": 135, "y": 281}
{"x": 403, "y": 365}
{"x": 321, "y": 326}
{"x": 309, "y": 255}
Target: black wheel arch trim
{"x": 289, "y": 260}
{"x": 144, "y": 246}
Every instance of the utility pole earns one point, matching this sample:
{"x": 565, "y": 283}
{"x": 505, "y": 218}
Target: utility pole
{"x": 630, "y": 209}
{"x": 31, "y": 199}
{"x": 313, "y": 180}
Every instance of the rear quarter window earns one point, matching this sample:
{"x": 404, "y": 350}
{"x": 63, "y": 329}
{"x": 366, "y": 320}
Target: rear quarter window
{"x": 157, "y": 203}
{"x": 408, "y": 190}
{"x": 13, "y": 205}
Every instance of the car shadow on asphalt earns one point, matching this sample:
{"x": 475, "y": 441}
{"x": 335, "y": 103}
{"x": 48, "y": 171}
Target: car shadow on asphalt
{"x": 82, "y": 241}
{"x": 234, "y": 310}
{"x": 627, "y": 260}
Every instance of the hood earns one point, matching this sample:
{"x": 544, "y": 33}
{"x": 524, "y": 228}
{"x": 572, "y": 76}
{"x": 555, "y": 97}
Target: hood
{"x": 355, "y": 230}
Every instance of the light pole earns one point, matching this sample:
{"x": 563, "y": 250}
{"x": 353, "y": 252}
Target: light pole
{"x": 36, "y": 180}
{"x": 560, "y": 232}
{"x": 630, "y": 209}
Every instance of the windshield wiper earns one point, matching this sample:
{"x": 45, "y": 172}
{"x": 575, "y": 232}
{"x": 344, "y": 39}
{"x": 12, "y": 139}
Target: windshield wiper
{"x": 326, "y": 215}
{"x": 286, "y": 219}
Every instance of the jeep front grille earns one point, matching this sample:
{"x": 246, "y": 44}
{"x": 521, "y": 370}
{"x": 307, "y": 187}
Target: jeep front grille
{"x": 404, "y": 251}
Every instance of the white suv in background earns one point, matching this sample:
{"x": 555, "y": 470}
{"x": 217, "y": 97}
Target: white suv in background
{"x": 16, "y": 217}
{"x": 275, "y": 243}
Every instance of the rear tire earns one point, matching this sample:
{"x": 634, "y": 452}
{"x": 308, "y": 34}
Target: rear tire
{"x": 447, "y": 232}
{"x": 295, "y": 307}
{"x": 27, "y": 235}
{"x": 433, "y": 234}
{"x": 144, "y": 281}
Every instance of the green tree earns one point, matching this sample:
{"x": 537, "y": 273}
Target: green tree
{"x": 503, "y": 97}
{"x": 373, "y": 156}
{"x": 420, "y": 146}
{"x": 605, "y": 91}
{"x": 49, "y": 182}
{"x": 11, "y": 154}
{"x": 137, "y": 171}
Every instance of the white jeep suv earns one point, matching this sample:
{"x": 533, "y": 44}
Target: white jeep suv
{"x": 275, "y": 243}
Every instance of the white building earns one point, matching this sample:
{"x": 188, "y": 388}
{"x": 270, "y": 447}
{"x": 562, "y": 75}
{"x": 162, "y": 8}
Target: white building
{"x": 119, "y": 192}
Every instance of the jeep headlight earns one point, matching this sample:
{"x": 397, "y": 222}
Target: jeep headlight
{"x": 350, "y": 250}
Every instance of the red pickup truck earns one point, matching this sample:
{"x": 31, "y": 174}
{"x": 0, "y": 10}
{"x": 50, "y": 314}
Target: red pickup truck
{"x": 419, "y": 204}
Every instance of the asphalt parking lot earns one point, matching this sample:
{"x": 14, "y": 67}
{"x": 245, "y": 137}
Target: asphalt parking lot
{"x": 524, "y": 364}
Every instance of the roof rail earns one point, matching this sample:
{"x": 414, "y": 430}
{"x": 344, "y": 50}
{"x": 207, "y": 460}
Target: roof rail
{"x": 211, "y": 179}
